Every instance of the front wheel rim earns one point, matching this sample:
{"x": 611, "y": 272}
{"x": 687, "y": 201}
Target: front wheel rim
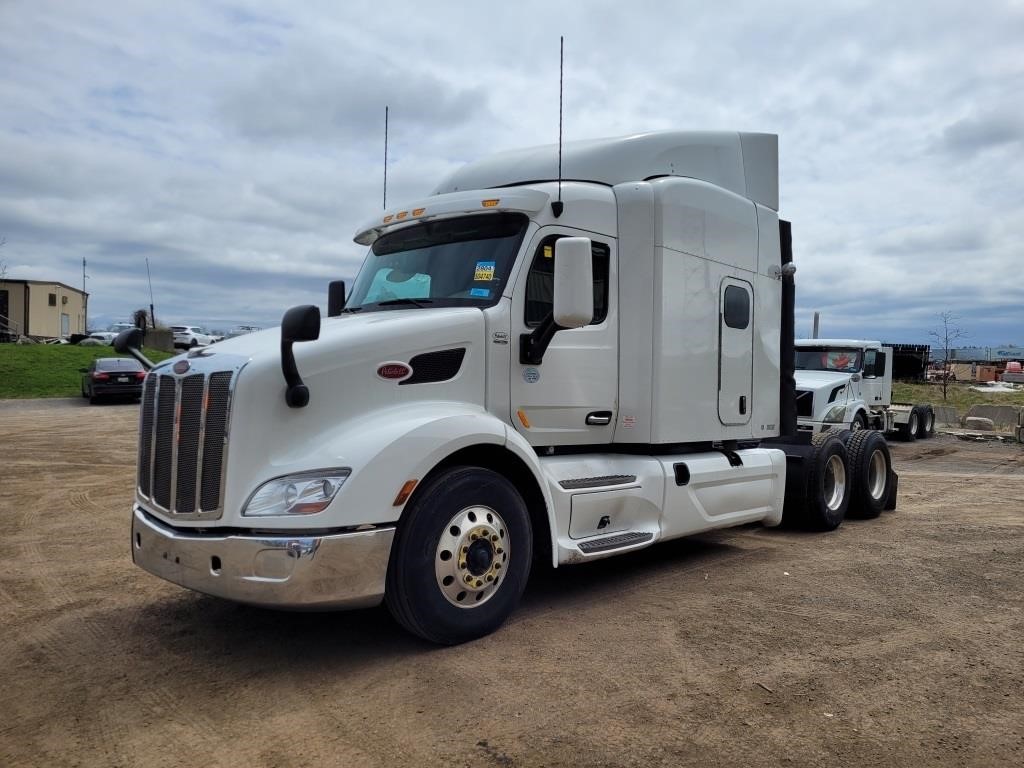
{"x": 472, "y": 556}
{"x": 835, "y": 483}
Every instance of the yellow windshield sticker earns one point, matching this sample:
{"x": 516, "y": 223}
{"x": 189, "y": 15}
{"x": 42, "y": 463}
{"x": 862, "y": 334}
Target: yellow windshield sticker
{"x": 484, "y": 271}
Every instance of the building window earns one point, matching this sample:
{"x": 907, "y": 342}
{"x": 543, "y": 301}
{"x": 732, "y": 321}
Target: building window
{"x": 53, "y": 299}
{"x": 540, "y": 283}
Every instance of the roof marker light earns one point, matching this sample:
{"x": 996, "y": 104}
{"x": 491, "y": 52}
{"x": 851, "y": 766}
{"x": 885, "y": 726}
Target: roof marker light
{"x": 418, "y": 211}
{"x": 388, "y": 218}
{"x": 492, "y": 203}
{"x": 401, "y": 215}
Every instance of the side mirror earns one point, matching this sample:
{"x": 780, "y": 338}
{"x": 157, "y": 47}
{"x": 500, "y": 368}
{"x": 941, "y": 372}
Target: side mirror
{"x": 299, "y": 324}
{"x": 335, "y": 297}
{"x": 573, "y": 305}
{"x": 855, "y": 377}
{"x": 574, "y": 282}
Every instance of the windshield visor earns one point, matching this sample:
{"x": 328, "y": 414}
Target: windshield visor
{"x": 449, "y": 263}
{"x": 825, "y": 359}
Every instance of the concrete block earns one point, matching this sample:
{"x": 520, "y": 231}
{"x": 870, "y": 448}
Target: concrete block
{"x": 1002, "y": 416}
{"x": 946, "y": 414}
{"x": 979, "y": 423}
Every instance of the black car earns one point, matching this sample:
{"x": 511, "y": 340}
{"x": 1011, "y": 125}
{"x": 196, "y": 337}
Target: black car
{"x": 112, "y": 376}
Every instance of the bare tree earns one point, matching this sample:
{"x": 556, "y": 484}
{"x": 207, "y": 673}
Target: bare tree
{"x": 945, "y": 334}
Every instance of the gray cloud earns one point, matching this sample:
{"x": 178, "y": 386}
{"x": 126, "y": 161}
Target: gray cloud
{"x": 238, "y": 146}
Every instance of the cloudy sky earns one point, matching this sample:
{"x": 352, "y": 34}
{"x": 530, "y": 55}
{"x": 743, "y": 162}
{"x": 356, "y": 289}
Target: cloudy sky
{"x": 239, "y": 146}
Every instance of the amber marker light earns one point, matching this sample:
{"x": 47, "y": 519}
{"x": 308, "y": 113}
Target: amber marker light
{"x": 522, "y": 418}
{"x": 405, "y": 493}
{"x": 490, "y": 203}
{"x": 418, "y": 211}
{"x": 401, "y": 215}
{"x": 388, "y": 219}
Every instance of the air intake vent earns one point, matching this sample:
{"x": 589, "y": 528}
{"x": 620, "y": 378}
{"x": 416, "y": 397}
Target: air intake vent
{"x": 432, "y": 367}
{"x": 804, "y": 403}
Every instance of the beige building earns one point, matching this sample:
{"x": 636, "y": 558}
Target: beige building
{"x": 41, "y": 309}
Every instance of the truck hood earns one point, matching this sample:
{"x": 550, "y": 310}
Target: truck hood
{"x": 817, "y": 380}
{"x": 267, "y": 438}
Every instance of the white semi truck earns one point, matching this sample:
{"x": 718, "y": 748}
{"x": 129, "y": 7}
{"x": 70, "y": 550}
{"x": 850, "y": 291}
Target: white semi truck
{"x": 848, "y": 383}
{"x": 529, "y": 368}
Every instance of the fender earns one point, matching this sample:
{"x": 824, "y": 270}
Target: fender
{"x": 392, "y": 447}
{"x": 518, "y": 445}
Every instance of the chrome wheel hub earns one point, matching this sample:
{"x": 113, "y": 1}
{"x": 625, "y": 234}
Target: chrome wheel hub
{"x": 471, "y": 556}
{"x": 835, "y": 483}
{"x": 877, "y": 475}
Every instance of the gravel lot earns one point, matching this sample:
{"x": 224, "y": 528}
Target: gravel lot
{"x": 889, "y": 642}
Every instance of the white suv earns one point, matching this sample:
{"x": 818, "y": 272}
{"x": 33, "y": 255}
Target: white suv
{"x": 190, "y": 336}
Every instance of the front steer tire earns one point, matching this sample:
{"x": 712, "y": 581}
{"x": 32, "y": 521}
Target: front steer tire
{"x": 434, "y": 528}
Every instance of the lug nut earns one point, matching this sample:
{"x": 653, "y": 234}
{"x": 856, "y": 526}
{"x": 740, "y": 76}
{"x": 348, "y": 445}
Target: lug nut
{"x": 490, "y": 577}
{"x": 468, "y": 579}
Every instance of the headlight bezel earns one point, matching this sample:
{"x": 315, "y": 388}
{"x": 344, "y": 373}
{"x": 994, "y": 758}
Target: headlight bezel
{"x": 296, "y": 493}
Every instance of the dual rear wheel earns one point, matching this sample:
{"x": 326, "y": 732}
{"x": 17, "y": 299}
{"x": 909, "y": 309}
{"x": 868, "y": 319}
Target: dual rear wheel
{"x": 848, "y": 473}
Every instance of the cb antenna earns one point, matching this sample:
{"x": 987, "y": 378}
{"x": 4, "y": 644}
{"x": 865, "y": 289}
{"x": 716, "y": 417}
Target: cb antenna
{"x": 385, "y": 157}
{"x": 558, "y": 205}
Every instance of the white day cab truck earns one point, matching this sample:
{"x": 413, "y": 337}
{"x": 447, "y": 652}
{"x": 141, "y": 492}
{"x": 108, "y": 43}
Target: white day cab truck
{"x": 847, "y": 383}
{"x": 528, "y": 369}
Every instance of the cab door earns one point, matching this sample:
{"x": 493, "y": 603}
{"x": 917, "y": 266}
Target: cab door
{"x": 735, "y": 351}
{"x": 571, "y": 397}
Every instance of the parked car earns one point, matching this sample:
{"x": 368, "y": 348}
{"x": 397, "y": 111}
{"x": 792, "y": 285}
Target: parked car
{"x": 191, "y": 336}
{"x": 112, "y": 376}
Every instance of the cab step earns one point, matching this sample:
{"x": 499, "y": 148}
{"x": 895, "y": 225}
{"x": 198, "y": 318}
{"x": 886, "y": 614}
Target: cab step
{"x": 620, "y": 541}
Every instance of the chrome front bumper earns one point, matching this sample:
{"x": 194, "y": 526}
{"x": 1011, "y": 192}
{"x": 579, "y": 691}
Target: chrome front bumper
{"x": 342, "y": 570}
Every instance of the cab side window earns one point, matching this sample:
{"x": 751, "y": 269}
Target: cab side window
{"x": 540, "y": 282}
{"x": 870, "y": 366}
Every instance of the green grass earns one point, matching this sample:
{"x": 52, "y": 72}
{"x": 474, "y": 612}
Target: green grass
{"x": 50, "y": 370}
{"x": 958, "y": 395}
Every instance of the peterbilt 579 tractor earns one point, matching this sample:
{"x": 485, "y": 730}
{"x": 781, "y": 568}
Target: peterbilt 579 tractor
{"x": 529, "y": 368}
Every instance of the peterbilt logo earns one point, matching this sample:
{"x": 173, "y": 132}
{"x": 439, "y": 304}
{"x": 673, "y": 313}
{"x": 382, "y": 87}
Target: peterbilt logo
{"x": 182, "y": 366}
{"x": 394, "y": 371}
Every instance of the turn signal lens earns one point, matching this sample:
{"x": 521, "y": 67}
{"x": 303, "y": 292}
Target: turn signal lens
{"x": 490, "y": 203}
{"x": 405, "y": 493}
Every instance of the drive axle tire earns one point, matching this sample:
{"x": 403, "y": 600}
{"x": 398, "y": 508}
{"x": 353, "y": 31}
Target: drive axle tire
{"x": 828, "y": 487}
{"x": 461, "y": 556}
{"x": 870, "y": 468}
{"x": 926, "y": 422}
{"x": 908, "y": 431}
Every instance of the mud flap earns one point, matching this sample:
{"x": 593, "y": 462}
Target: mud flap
{"x": 894, "y": 488}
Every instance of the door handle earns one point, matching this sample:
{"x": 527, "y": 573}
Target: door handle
{"x": 599, "y": 418}
{"x": 743, "y": 405}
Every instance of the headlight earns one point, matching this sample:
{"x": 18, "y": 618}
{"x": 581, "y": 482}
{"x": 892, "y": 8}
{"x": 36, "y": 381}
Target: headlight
{"x": 303, "y": 494}
{"x": 836, "y": 414}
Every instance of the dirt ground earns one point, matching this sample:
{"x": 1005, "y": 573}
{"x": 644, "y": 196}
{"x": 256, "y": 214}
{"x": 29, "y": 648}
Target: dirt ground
{"x": 892, "y": 642}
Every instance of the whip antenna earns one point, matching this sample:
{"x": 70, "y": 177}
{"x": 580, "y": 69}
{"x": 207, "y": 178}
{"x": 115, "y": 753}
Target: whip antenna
{"x": 385, "y": 158}
{"x": 558, "y": 205}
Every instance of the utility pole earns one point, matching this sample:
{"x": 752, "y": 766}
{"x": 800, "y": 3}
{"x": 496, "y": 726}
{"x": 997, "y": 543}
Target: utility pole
{"x": 152, "y": 313}
{"x": 85, "y": 300}
{"x": 814, "y": 332}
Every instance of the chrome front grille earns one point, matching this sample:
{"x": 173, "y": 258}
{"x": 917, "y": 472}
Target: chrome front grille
{"x": 183, "y": 434}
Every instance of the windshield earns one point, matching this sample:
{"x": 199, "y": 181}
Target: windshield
{"x": 450, "y": 263}
{"x": 828, "y": 359}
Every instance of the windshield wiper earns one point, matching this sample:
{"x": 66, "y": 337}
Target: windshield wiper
{"x": 413, "y": 302}
{"x": 351, "y": 309}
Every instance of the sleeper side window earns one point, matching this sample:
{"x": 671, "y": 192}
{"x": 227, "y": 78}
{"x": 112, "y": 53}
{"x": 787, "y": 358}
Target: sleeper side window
{"x": 540, "y": 282}
{"x": 736, "y": 307}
